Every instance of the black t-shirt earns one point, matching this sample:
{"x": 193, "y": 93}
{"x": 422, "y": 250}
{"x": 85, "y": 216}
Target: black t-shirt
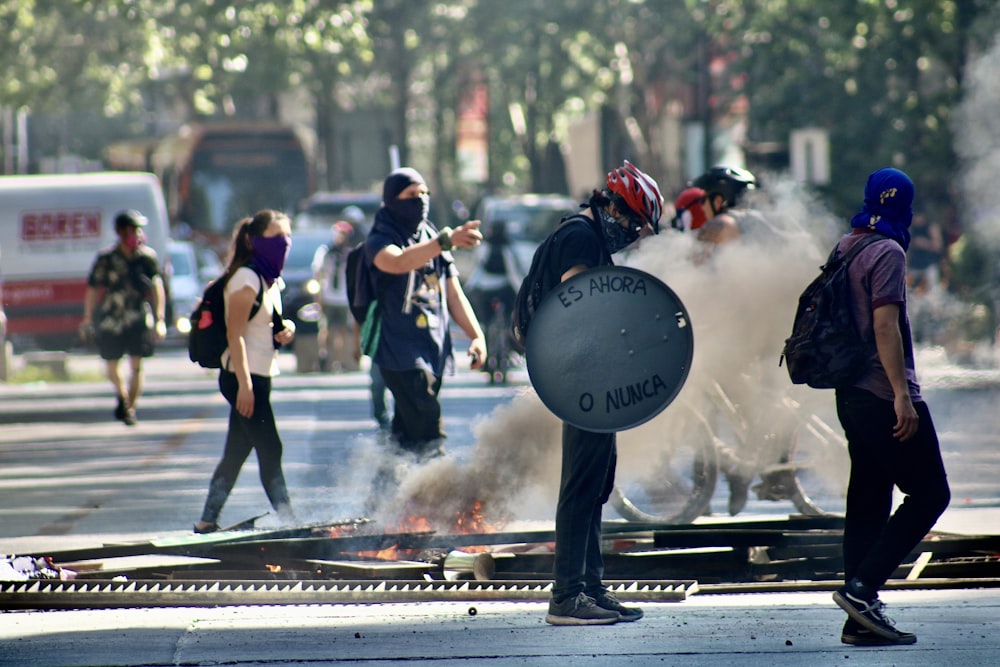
{"x": 415, "y": 320}
{"x": 577, "y": 241}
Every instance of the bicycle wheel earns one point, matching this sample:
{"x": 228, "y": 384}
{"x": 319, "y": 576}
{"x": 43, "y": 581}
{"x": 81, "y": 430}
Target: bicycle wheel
{"x": 677, "y": 485}
{"x": 498, "y": 347}
{"x": 812, "y": 469}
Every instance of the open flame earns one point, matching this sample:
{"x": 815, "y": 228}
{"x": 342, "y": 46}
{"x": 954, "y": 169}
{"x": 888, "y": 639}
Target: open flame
{"x": 472, "y": 520}
{"x": 410, "y": 524}
{"x": 463, "y": 522}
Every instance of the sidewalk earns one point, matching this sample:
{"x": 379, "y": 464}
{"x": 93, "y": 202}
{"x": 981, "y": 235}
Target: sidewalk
{"x": 955, "y": 628}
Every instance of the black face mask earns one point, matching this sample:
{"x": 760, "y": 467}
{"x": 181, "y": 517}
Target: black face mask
{"x": 616, "y": 237}
{"x": 408, "y": 213}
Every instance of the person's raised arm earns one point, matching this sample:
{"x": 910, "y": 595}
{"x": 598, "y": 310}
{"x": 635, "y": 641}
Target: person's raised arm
{"x": 393, "y": 259}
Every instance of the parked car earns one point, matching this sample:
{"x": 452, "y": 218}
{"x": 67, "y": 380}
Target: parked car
{"x": 322, "y": 209}
{"x": 528, "y": 218}
{"x": 189, "y": 269}
{"x": 6, "y": 350}
{"x": 299, "y": 297}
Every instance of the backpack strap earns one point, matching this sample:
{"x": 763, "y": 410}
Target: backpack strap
{"x": 259, "y": 301}
{"x": 846, "y": 259}
{"x": 858, "y": 246}
{"x": 594, "y": 226}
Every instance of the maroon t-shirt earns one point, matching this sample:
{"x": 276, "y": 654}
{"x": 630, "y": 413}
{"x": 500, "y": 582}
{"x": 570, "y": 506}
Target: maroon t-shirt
{"x": 878, "y": 278}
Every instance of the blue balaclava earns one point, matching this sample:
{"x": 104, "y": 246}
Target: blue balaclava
{"x": 406, "y": 213}
{"x": 888, "y": 205}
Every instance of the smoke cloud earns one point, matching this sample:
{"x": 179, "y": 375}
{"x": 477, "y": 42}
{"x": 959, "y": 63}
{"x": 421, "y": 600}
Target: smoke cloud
{"x": 516, "y": 453}
{"x": 977, "y": 142}
{"x": 741, "y": 301}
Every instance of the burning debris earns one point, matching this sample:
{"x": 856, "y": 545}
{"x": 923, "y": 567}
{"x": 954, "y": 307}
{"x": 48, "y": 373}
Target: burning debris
{"x": 513, "y": 469}
{"x": 516, "y": 450}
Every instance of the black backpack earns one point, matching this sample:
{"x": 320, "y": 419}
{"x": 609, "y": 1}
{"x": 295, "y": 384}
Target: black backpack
{"x": 826, "y": 350}
{"x": 207, "y": 338}
{"x": 357, "y": 273}
{"x": 536, "y": 284}
{"x": 363, "y": 291}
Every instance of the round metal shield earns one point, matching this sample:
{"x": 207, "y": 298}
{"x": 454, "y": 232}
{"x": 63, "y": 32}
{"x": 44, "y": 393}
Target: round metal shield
{"x": 609, "y": 348}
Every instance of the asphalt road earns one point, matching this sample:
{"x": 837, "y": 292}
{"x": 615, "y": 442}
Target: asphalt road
{"x": 71, "y": 476}
{"x": 70, "y": 472}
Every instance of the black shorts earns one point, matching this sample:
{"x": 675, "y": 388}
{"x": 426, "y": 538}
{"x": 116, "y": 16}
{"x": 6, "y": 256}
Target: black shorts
{"x": 134, "y": 342}
{"x": 336, "y": 316}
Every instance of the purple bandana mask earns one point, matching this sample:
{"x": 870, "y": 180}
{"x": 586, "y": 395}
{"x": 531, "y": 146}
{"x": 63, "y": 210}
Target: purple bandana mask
{"x": 269, "y": 254}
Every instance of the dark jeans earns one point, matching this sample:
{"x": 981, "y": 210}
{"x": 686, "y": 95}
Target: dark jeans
{"x": 416, "y": 421}
{"x": 257, "y": 433}
{"x": 588, "y": 475}
{"x": 875, "y": 542}
{"x": 417, "y": 431}
{"x": 380, "y": 411}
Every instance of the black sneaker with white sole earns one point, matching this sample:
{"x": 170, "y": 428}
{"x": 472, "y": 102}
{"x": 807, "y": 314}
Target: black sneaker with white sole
{"x": 581, "y": 610}
{"x": 856, "y": 634}
{"x": 870, "y": 614}
{"x": 608, "y": 600}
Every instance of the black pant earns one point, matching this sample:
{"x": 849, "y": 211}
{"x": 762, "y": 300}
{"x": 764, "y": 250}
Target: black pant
{"x": 416, "y": 420}
{"x": 875, "y": 542}
{"x": 259, "y": 433}
{"x": 588, "y": 475}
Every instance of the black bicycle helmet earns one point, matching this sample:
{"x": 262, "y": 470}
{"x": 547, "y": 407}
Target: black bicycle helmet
{"x": 730, "y": 182}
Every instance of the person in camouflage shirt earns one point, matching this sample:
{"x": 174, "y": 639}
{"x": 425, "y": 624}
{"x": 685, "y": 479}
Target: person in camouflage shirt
{"x": 124, "y": 308}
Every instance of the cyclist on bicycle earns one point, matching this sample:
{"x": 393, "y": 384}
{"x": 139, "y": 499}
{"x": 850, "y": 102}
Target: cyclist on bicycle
{"x": 492, "y": 287}
{"x": 725, "y": 192}
{"x": 713, "y": 208}
{"x": 497, "y": 275}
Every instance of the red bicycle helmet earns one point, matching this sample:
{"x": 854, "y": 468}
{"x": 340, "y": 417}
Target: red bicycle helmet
{"x": 689, "y": 202}
{"x": 639, "y": 192}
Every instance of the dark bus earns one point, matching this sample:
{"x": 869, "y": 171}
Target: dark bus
{"x": 216, "y": 173}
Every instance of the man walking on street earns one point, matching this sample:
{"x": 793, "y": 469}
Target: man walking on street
{"x": 890, "y": 435}
{"x": 123, "y": 309}
{"x": 419, "y": 295}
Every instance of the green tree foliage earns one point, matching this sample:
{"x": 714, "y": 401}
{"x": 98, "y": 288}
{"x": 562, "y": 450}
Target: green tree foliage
{"x": 526, "y": 58}
{"x": 65, "y": 56}
{"x": 882, "y": 76}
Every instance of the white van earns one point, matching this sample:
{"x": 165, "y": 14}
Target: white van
{"x": 51, "y": 229}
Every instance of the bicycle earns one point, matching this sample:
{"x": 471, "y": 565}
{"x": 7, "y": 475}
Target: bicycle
{"x": 775, "y": 439}
{"x": 500, "y": 352}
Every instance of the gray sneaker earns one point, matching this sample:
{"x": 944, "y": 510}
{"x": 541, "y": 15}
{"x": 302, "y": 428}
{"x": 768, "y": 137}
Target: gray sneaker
{"x": 608, "y": 600}
{"x": 581, "y": 610}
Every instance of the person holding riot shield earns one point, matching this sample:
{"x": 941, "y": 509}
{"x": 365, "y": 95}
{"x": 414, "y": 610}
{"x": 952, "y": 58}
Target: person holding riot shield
{"x": 629, "y": 205}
